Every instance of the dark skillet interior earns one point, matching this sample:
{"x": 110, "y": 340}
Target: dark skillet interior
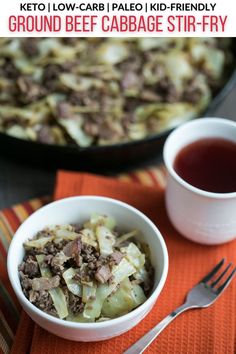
{"x": 117, "y": 157}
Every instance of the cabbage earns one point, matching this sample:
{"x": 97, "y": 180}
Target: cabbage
{"x": 100, "y": 220}
{"x": 78, "y": 318}
{"x": 73, "y": 285}
{"x": 38, "y": 243}
{"x": 103, "y": 319}
{"x": 93, "y": 306}
{"x": 79, "y": 83}
{"x": 184, "y": 72}
{"x": 125, "y": 237}
{"x": 125, "y": 299}
{"x": 112, "y": 53}
{"x": 106, "y": 240}
{"x": 120, "y": 302}
{"x": 73, "y": 128}
{"x": 88, "y": 236}
{"x": 59, "y": 301}
{"x": 88, "y": 292}
{"x": 146, "y": 43}
{"x": 166, "y": 114}
{"x": 121, "y": 271}
{"x": 17, "y": 131}
{"x": 133, "y": 254}
{"x": 138, "y": 295}
{"x": 141, "y": 275}
{"x": 64, "y": 234}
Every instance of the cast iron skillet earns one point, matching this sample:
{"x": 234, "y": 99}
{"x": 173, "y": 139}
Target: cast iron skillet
{"x": 99, "y": 158}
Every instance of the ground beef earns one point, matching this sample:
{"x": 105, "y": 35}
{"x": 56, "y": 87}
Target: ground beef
{"x": 115, "y": 258}
{"x": 45, "y": 135}
{"x": 53, "y": 248}
{"x": 166, "y": 89}
{"x": 193, "y": 91}
{"x": 26, "y": 282}
{"x": 30, "y": 46}
{"x": 64, "y": 110}
{"x": 9, "y": 70}
{"x": 28, "y": 90}
{"x": 57, "y": 262}
{"x": 75, "y": 303}
{"x": 31, "y": 267}
{"x": 43, "y": 301}
{"x": 89, "y": 253}
{"x": 39, "y": 284}
{"x": 73, "y": 250}
{"x": 50, "y": 76}
{"x": 103, "y": 274}
{"x": 84, "y": 274}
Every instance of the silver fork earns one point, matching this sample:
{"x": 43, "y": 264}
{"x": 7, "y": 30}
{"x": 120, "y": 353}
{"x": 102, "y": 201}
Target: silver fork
{"x": 203, "y": 294}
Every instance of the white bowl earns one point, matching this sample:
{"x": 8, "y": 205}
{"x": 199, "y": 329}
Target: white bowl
{"x": 76, "y": 210}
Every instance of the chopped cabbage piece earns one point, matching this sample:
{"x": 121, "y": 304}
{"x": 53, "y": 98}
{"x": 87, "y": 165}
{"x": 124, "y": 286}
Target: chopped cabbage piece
{"x": 38, "y": 243}
{"x": 123, "y": 270}
{"x": 125, "y": 237}
{"x": 185, "y": 70}
{"x": 88, "y": 236}
{"x": 138, "y": 295}
{"x": 133, "y": 254}
{"x": 59, "y": 301}
{"x": 89, "y": 292}
{"x": 141, "y": 275}
{"x": 73, "y": 127}
{"x": 73, "y": 285}
{"x": 44, "y": 270}
{"x": 126, "y": 298}
{"x": 103, "y": 319}
{"x": 100, "y": 220}
{"x": 112, "y": 53}
{"x": 120, "y": 302}
{"x": 93, "y": 306}
{"x": 79, "y": 318}
{"x": 106, "y": 240}
{"x": 66, "y": 234}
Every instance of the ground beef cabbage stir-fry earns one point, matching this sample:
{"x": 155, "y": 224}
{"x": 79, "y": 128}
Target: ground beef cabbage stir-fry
{"x": 100, "y": 91}
{"x": 86, "y": 274}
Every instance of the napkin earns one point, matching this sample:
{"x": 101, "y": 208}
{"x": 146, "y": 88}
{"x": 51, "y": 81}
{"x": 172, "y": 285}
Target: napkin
{"x": 204, "y": 331}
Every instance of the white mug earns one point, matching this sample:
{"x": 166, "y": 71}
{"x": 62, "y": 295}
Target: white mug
{"x": 201, "y": 216}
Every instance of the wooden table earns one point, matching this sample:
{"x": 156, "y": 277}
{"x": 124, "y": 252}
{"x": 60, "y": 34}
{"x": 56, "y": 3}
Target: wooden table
{"x": 20, "y": 182}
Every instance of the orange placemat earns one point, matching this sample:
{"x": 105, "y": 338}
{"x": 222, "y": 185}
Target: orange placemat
{"x": 204, "y": 331}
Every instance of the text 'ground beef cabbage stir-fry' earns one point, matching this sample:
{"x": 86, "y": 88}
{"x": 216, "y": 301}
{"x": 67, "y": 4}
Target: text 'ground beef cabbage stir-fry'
{"x": 99, "y": 91}
{"x": 86, "y": 274}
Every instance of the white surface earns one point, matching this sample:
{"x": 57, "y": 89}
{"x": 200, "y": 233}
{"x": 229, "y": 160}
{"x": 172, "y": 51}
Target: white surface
{"x": 201, "y": 216}
{"x": 77, "y": 210}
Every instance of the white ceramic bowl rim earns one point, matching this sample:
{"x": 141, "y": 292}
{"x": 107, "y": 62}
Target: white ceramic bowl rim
{"x": 96, "y": 325}
{"x": 198, "y": 121}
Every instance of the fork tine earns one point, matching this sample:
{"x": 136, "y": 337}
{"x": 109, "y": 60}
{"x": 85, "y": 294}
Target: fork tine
{"x": 221, "y": 276}
{"x": 228, "y": 280}
{"x": 213, "y": 272}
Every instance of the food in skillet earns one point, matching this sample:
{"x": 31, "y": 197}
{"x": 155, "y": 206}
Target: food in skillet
{"x": 86, "y": 274}
{"x": 99, "y": 91}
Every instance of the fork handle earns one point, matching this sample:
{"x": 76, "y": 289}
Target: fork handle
{"x": 148, "y": 338}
